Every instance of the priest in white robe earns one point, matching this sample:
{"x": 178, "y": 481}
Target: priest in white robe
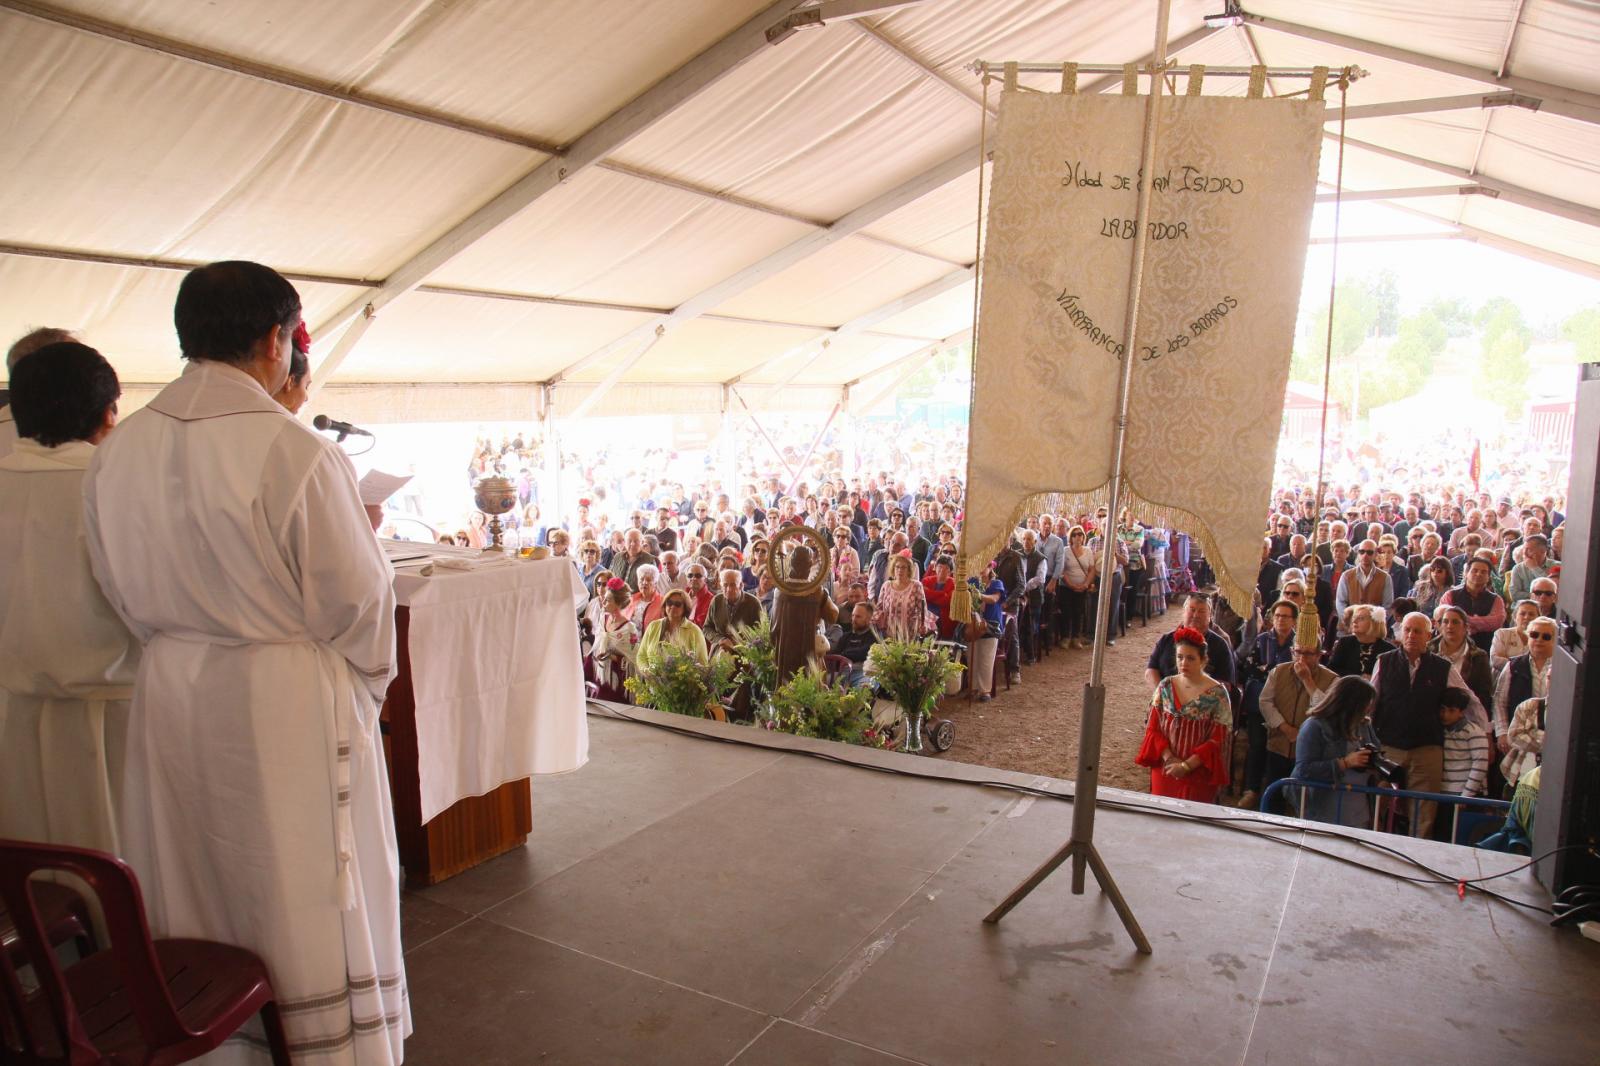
{"x": 67, "y": 662}
{"x": 257, "y": 810}
{"x": 25, "y": 345}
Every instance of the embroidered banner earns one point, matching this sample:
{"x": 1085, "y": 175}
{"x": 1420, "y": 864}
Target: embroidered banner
{"x": 1233, "y": 188}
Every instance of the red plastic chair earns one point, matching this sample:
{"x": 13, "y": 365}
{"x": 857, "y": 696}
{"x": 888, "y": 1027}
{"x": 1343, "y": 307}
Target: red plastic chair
{"x": 140, "y": 1001}
{"x": 65, "y": 917}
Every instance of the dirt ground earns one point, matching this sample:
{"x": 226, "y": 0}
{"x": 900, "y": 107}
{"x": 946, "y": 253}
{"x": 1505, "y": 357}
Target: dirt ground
{"x": 1033, "y": 728}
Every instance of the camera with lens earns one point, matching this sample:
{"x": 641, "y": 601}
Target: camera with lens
{"x": 1386, "y": 768}
{"x": 1251, "y": 668}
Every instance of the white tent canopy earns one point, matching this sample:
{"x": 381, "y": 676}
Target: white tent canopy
{"x": 628, "y": 205}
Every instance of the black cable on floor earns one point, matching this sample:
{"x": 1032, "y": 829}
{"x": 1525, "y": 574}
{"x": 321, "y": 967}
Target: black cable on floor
{"x": 1241, "y": 824}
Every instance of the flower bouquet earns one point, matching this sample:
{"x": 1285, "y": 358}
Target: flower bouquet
{"x": 672, "y": 679}
{"x": 912, "y": 673}
{"x": 806, "y": 706}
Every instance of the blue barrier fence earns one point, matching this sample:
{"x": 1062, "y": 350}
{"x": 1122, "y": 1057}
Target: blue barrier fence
{"x": 1462, "y": 823}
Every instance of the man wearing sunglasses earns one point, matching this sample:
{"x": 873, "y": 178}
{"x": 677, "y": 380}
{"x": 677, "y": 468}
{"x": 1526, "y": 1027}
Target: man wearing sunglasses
{"x": 1366, "y": 582}
{"x": 1543, "y": 593}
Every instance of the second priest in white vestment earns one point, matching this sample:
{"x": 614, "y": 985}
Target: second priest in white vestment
{"x": 257, "y": 809}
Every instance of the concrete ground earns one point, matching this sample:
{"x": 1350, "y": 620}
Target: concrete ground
{"x": 684, "y": 901}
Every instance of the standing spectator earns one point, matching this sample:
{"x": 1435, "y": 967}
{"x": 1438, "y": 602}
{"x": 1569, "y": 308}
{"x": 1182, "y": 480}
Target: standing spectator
{"x": 1513, "y": 639}
{"x": 1073, "y": 590}
{"x": 1332, "y": 747}
{"x": 1535, "y": 564}
{"x": 937, "y": 588}
{"x": 1357, "y": 654}
{"x": 1273, "y": 648}
{"x": 1543, "y": 593}
{"x": 1186, "y": 739}
{"x": 1409, "y": 682}
{"x": 1365, "y": 582}
{"x": 1526, "y": 741}
{"x": 1035, "y": 571}
{"x": 986, "y": 600}
{"x": 902, "y": 609}
{"x": 1470, "y": 660}
{"x": 1219, "y": 653}
{"x": 1466, "y": 748}
{"x": 1525, "y": 677}
{"x": 1485, "y": 611}
{"x": 1292, "y": 689}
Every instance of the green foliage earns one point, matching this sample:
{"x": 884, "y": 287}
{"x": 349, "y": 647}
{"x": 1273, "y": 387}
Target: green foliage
{"x": 758, "y": 658}
{"x": 1453, "y": 314}
{"x": 807, "y": 707}
{"x": 913, "y": 673}
{"x": 1355, "y": 316}
{"x": 1498, "y": 317}
{"x": 1583, "y": 330}
{"x": 1386, "y": 296}
{"x": 1503, "y": 373}
{"x": 670, "y": 678}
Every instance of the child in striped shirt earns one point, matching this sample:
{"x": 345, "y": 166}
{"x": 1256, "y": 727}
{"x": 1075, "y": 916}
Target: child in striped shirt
{"x": 1466, "y": 747}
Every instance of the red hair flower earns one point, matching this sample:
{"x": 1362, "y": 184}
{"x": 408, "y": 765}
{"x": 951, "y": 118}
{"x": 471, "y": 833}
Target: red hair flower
{"x": 616, "y": 583}
{"x": 302, "y": 338}
{"x": 1189, "y": 635}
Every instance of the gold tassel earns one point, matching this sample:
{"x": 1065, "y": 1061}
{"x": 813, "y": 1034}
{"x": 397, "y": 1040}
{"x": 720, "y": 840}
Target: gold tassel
{"x": 961, "y": 596}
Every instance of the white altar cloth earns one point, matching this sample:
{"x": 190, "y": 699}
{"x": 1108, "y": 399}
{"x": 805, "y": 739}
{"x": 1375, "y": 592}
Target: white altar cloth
{"x": 496, "y": 673}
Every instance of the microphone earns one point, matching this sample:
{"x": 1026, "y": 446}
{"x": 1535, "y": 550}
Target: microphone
{"x": 344, "y": 429}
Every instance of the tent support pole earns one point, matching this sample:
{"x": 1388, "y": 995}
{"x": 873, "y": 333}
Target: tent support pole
{"x": 762, "y": 430}
{"x": 800, "y": 471}
{"x": 552, "y": 463}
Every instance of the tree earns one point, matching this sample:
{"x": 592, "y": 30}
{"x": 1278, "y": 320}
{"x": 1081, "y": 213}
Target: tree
{"x": 1453, "y": 314}
{"x": 1503, "y": 373}
{"x": 1498, "y": 316}
{"x": 1386, "y": 293}
{"x": 1583, "y": 330}
{"x": 1355, "y": 313}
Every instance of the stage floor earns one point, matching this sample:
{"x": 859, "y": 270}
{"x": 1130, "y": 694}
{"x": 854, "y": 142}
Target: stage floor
{"x": 682, "y": 901}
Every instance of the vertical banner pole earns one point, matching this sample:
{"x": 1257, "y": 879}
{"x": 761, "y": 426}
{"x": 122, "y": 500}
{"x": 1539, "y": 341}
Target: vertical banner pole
{"x": 1080, "y": 848}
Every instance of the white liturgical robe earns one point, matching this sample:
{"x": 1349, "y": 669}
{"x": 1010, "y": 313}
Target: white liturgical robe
{"x": 66, "y": 660}
{"x": 256, "y": 810}
{"x": 8, "y": 431}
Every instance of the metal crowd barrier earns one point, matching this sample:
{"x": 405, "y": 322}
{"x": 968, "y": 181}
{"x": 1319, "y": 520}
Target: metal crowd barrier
{"x": 1455, "y": 802}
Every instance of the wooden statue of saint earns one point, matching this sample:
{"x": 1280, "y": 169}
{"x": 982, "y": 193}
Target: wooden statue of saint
{"x": 795, "y": 617}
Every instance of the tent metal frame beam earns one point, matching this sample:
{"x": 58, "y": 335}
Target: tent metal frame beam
{"x": 272, "y": 75}
{"x": 831, "y": 11}
{"x": 1510, "y": 245}
{"x": 617, "y": 129}
{"x": 859, "y": 325}
{"x": 1555, "y": 99}
{"x": 1421, "y": 192}
{"x": 957, "y": 166}
{"x": 34, "y": 251}
{"x": 1432, "y": 104}
{"x": 922, "y": 69}
{"x": 1505, "y": 190}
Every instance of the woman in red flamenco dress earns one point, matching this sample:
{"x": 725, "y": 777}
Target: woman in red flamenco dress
{"x": 1186, "y": 740}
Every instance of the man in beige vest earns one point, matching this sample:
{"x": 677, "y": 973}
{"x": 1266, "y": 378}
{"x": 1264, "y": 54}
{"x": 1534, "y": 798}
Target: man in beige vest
{"x": 1366, "y": 582}
{"x": 1291, "y": 691}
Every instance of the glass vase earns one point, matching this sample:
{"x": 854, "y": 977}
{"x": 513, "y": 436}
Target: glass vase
{"x": 913, "y": 737}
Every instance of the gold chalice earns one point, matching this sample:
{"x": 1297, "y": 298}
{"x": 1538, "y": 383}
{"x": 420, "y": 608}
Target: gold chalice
{"x": 494, "y": 497}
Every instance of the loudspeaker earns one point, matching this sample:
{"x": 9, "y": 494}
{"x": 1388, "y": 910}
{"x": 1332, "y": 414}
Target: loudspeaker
{"x": 1569, "y": 780}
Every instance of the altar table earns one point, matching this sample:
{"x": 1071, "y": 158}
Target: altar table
{"x": 489, "y": 692}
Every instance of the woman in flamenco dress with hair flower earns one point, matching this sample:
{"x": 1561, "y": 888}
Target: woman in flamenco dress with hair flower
{"x": 1186, "y": 740}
